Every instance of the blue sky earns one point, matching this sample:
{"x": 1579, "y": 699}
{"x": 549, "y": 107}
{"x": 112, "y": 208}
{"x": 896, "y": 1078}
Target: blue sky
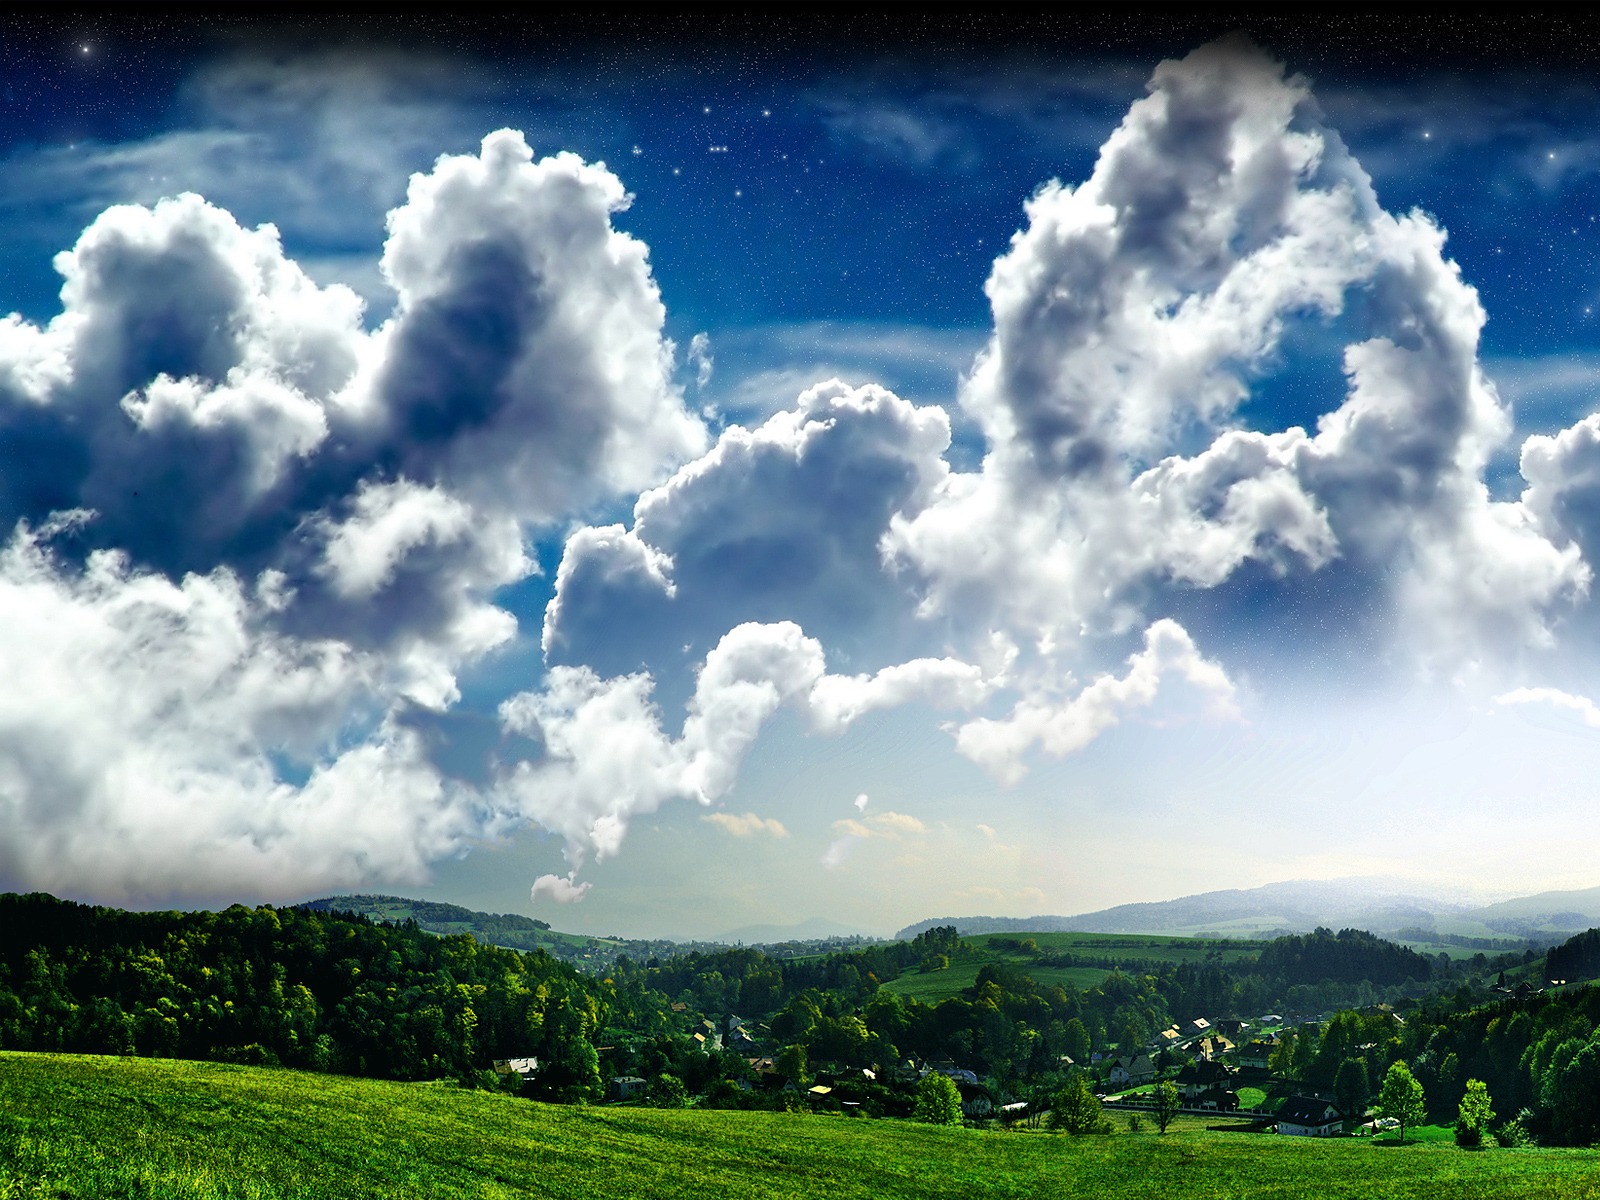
{"x": 669, "y": 477}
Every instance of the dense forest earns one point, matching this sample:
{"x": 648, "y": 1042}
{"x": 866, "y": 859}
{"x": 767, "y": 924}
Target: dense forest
{"x": 333, "y": 991}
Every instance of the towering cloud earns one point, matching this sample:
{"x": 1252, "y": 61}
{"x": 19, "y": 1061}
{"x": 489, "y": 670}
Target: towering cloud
{"x": 252, "y": 537}
{"x": 1136, "y": 315}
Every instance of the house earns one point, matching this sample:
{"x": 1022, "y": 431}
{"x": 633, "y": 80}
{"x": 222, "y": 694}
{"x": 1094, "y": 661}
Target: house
{"x": 1231, "y": 1027}
{"x": 1131, "y": 1072}
{"x": 1217, "y": 1099}
{"x": 976, "y": 1100}
{"x": 1198, "y": 1027}
{"x": 1167, "y": 1039}
{"x": 625, "y": 1087}
{"x": 1212, "y": 1047}
{"x": 1256, "y": 1056}
{"x": 525, "y": 1067}
{"x": 1200, "y": 1077}
{"x": 1306, "y": 1116}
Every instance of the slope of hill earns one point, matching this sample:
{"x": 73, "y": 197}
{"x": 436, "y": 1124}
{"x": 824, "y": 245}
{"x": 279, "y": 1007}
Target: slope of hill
{"x": 495, "y": 929}
{"x": 1379, "y": 905}
{"x": 86, "y": 1126}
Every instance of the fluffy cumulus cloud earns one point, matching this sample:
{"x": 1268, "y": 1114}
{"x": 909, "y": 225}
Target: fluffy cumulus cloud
{"x": 610, "y": 758}
{"x": 1135, "y": 317}
{"x": 1064, "y": 727}
{"x": 783, "y": 522}
{"x": 253, "y": 540}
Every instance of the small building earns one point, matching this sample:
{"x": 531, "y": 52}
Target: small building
{"x": 1198, "y": 1027}
{"x": 1306, "y": 1116}
{"x": 976, "y": 1100}
{"x": 1200, "y": 1077}
{"x": 626, "y": 1087}
{"x": 1257, "y": 1055}
{"x": 1217, "y": 1099}
{"x": 1131, "y": 1072}
{"x": 527, "y": 1068}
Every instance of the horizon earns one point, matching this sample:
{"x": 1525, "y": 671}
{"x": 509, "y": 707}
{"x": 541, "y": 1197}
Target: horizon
{"x": 680, "y": 477}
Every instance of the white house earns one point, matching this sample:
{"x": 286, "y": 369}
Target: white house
{"x": 1303, "y": 1116}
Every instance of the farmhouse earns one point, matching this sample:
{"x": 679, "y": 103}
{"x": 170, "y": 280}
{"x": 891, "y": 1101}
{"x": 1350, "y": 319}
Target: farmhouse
{"x": 527, "y": 1068}
{"x": 1257, "y": 1055}
{"x": 1304, "y": 1116}
{"x": 1131, "y": 1072}
{"x": 625, "y": 1087}
{"x": 976, "y": 1100}
{"x": 1200, "y": 1077}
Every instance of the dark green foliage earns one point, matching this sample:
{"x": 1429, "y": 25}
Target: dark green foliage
{"x": 1576, "y": 958}
{"x": 268, "y": 986}
{"x": 1351, "y": 956}
{"x": 667, "y": 1091}
{"x": 1351, "y": 1087}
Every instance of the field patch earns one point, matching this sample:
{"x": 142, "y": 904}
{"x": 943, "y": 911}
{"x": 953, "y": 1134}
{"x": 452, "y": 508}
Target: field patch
{"x": 84, "y": 1126}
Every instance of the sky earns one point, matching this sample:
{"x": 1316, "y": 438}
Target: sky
{"x": 667, "y": 475}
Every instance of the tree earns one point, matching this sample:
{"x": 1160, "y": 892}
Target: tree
{"x": 1076, "y": 1110}
{"x": 1474, "y": 1115}
{"x": 1075, "y": 1041}
{"x": 938, "y": 1100}
{"x": 1400, "y": 1099}
{"x": 791, "y": 1064}
{"x": 1351, "y": 1087}
{"x": 1166, "y": 1103}
{"x": 667, "y": 1091}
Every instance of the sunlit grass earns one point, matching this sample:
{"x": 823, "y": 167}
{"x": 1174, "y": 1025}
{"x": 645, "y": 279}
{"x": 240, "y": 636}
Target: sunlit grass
{"x": 77, "y": 1126}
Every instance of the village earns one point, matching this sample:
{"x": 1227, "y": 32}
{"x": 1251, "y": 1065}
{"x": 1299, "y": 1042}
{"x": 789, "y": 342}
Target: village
{"x": 1221, "y": 1068}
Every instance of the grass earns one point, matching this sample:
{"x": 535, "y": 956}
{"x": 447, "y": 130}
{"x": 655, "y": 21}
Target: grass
{"x": 985, "y": 948}
{"x": 79, "y": 1126}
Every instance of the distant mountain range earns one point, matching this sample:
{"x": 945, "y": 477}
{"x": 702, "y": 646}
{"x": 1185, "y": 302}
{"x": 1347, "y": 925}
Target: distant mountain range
{"x": 1380, "y": 905}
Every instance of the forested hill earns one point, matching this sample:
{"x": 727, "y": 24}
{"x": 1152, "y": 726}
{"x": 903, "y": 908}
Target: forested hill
{"x": 1576, "y": 958}
{"x": 333, "y": 991}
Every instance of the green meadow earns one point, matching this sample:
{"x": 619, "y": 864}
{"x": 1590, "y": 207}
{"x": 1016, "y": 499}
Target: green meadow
{"x": 82, "y": 1126}
{"x": 1119, "y": 948}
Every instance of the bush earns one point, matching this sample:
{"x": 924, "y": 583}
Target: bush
{"x": 1076, "y": 1111}
{"x": 938, "y": 1100}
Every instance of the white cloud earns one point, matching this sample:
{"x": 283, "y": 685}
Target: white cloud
{"x": 289, "y": 532}
{"x": 744, "y": 825}
{"x": 779, "y": 523}
{"x": 562, "y": 889}
{"x": 1066, "y": 727}
{"x": 609, "y": 760}
{"x": 1582, "y": 705}
{"x": 1133, "y": 317}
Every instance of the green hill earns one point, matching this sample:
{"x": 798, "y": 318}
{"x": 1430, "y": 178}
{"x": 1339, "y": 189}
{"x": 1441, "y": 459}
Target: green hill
{"x": 1079, "y": 960}
{"x": 78, "y": 1126}
{"x": 493, "y": 929}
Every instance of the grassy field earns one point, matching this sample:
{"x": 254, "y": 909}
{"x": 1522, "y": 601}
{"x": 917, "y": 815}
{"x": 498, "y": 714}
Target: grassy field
{"x": 75, "y": 1126}
{"x": 985, "y": 948}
